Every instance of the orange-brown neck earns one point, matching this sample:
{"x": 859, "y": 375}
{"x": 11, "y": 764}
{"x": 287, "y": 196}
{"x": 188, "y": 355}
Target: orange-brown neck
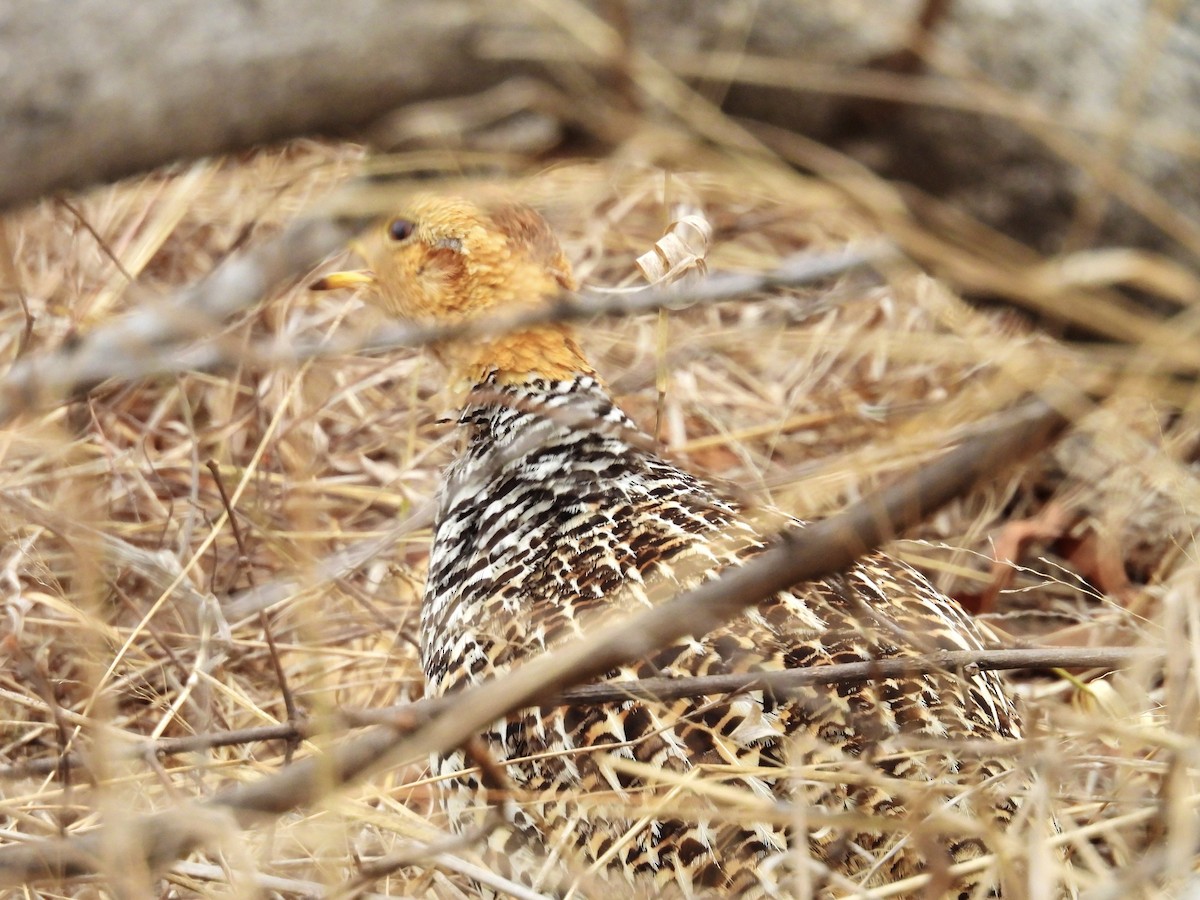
{"x": 544, "y": 351}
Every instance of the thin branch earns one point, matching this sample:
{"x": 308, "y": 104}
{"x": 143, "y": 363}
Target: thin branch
{"x": 797, "y": 270}
{"x": 174, "y": 336}
{"x": 339, "y": 564}
{"x": 97, "y": 237}
{"x": 245, "y": 564}
{"x": 265, "y": 883}
{"x": 796, "y": 556}
{"x": 145, "y": 342}
{"x": 30, "y": 671}
{"x": 160, "y": 570}
{"x": 780, "y": 683}
{"x": 783, "y": 682}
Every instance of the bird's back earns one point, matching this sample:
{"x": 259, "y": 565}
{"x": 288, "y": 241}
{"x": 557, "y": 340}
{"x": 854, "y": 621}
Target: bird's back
{"x": 556, "y": 514}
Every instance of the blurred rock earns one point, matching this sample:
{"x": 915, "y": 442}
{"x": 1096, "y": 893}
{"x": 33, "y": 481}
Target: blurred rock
{"x": 1071, "y": 68}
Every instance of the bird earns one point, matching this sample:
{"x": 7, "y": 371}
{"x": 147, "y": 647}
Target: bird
{"x": 557, "y": 513}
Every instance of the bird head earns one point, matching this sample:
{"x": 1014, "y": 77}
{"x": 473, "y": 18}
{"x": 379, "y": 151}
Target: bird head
{"x": 441, "y": 260}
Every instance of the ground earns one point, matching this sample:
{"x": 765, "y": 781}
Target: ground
{"x": 119, "y": 552}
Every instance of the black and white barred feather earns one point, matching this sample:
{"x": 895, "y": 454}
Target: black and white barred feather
{"x": 558, "y": 513}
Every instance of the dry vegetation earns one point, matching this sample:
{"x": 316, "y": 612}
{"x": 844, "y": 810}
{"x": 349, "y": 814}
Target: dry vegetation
{"x": 119, "y": 550}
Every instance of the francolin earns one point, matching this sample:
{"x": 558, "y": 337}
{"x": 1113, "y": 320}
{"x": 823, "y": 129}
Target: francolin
{"x": 556, "y": 513}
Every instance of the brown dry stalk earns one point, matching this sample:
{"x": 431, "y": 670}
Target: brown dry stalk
{"x": 795, "y": 556}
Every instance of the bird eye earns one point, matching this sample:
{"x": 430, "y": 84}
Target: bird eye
{"x": 400, "y": 229}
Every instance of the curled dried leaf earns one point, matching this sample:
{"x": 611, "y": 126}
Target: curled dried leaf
{"x": 682, "y": 249}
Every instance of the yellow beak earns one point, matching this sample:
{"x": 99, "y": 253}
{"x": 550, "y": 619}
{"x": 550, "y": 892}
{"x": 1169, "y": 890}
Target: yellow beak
{"x": 335, "y": 280}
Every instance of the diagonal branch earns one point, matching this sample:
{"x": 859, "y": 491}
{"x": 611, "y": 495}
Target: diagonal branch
{"x": 797, "y": 555}
{"x": 106, "y": 88}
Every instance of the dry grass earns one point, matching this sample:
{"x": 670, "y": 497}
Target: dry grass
{"x": 118, "y": 540}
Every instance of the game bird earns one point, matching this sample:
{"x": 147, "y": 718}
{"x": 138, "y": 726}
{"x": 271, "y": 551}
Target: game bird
{"x": 558, "y": 513}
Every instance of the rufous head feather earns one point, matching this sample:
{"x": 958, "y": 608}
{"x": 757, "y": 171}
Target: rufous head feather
{"x": 447, "y": 259}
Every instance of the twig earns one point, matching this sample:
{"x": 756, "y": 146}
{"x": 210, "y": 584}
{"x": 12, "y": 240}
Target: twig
{"x": 289, "y": 701}
{"x": 161, "y": 570}
{"x": 32, "y": 672}
{"x": 373, "y": 870}
{"x": 780, "y": 683}
{"x": 796, "y": 556}
{"x": 155, "y": 340}
{"x": 797, "y": 270}
{"x": 144, "y": 342}
{"x": 266, "y": 883}
{"x": 331, "y": 568}
{"x": 97, "y": 237}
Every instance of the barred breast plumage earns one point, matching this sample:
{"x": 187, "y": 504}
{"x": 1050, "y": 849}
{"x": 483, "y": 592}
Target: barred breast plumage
{"x": 557, "y": 513}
